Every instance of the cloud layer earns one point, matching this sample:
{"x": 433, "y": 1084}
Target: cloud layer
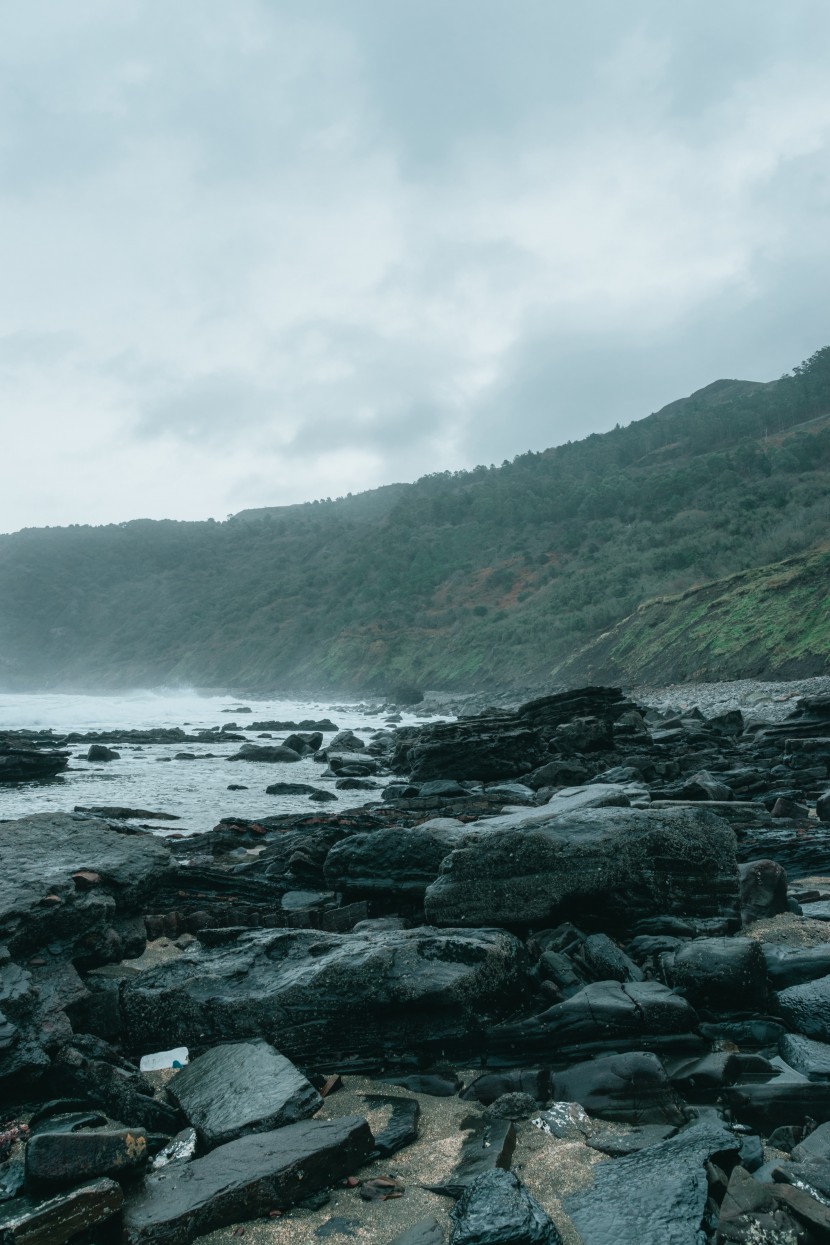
{"x": 258, "y": 253}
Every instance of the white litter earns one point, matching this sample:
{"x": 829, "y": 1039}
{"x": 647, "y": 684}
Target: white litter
{"x": 161, "y": 1059}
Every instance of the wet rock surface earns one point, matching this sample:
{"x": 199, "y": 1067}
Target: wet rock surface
{"x": 581, "y": 948}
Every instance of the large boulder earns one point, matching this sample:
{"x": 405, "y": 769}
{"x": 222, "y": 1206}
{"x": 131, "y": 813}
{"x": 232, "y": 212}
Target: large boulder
{"x": 606, "y": 868}
{"x": 64, "y": 878}
{"x": 330, "y": 996}
{"x": 487, "y": 748}
{"x": 399, "y": 861}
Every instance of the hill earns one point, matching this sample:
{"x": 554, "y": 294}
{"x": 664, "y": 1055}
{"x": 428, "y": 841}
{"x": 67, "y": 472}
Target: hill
{"x": 494, "y": 577}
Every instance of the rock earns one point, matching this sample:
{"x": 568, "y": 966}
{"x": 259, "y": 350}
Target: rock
{"x": 615, "y": 1145}
{"x": 100, "y": 752}
{"x": 317, "y": 995}
{"x": 400, "y": 862}
{"x": 789, "y": 808}
{"x": 782, "y": 1101}
{"x": 806, "y": 1008}
{"x": 304, "y": 742}
{"x": 119, "y": 813}
{"x": 58, "y": 1159}
{"x": 240, "y": 1088}
{"x": 434, "y": 1084}
{"x": 402, "y": 1127}
{"x": 513, "y": 1107}
{"x": 30, "y": 764}
{"x": 792, "y": 966}
{"x": 566, "y": 1120}
{"x": 603, "y": 1015}
{"x": 345, "y": 741}
{"x": 244, "y": 1179}
{"x": 823, "y": 807}
{"x": 612, "y": 866}
{"x": 487, "y": 1088}
{"x": 633, "y": 1088}
{"x": 488, "y": 748}
{"x": 355, "y": 784}
{"x": 256, "y": 752}
{"x": 496, "y": 1209}
{"x": 40, "y": 902}
{"x": 488, "y": 1146}
{"x": 815, "y": 1147}
{"x": 722, "y": 974}
{"x": 181, "y": 1149}
{"x": 292, "y": 788}
{"x": 55, "y": 1220}
{"x": 425, "y": 1232}
{"x": 810, "y": 1058}
{"x": 763, "y": 890}
{"x": 654, "y": 1196}
{"x": 351, "y": 765}
{"x": 90, "y": 1069}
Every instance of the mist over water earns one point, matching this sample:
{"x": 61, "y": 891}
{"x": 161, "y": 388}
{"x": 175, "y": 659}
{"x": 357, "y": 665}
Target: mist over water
{"x": 148, "y": 776}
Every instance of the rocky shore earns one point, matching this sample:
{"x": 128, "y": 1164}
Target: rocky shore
{"x": 568, "y": 979}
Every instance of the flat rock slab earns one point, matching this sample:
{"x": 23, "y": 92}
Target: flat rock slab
{"x": 654, "y": 1197}
{"x": 810, "y": 1058}
{"x": 40, "y": 899}
{"x": 315, "y": 995}
{"x": 54, "y": 1220}
{"x": 245, "y": 1179}
{"x": 606, "y": 868}
{"x": 242, "y": 1087}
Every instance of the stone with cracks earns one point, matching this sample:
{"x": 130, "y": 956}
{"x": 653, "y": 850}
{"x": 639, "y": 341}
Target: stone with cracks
{"x": 242, "y": 1087}
{"x": 245, "y": 1179}
{"x": 315, "y": 995}
{"x": 606, "y": 868}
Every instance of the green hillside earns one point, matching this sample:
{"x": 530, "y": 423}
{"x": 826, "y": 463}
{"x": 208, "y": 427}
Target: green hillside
{"x": 495, "y": 577}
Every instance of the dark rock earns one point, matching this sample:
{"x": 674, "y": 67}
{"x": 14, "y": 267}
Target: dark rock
{"x": 326, "y": 995}
{"x": 815, "y": 1147}
{"x": 355, "y": 784}
{"x": 782, "y": 1101}
{"x": 446, "y": 787}
{"x": 789, "y": 808}
{"x": 487, "y": 1088}
{"x": 293, "y": 788}
{"x": 240, "y": 1088}
{"x": 400, "y": 861}
{"x": 244, "y": 1179}
{"x": 823, "y": 807}
{"x": 238, "y": 786}
{"x": 322, "y": 797}
{"x": 57, "y": 1160}
{"x": 92, "y": 1070}
{"x": 722, "y": 974}
{"x": 806, "y": 1008}
{"x": 793, "y": 966}
{"x": 119, "y": 813}
{"x": 489, "y": 1145}
{"x": 402, "y": 1127}
{"x": 351, "y": 765}
{"x": 307, "y": 724}
{"x": 181, "y": 1149}
{"x": 304, "y": 742}
{"x": 810, "y": 1058}
{"x": 425, "y": 1232}
{"x": 12, "y": 1179}
{"x": 612, "y": 866}
{"x": 603, "y": 1015}
{"x": 255, "y": 752}
{"x": 40, "y": 901}
{"x": 632, "y": 1088}
{"x": 100, "y": 752}
{"x": 434, "y": 1084}
{"x": 486, "y": 748}
{"x": 55, "y": 1220}
{"x": 763, "y": 890}
{"x": 514, "y": 1107}
{"x": 654, "y": 1196}
{"x": 345, "y": 741}
{"x": 19, "y": 764}
{"x": 559, "y": 773}
{"x": 496, "y": 1209}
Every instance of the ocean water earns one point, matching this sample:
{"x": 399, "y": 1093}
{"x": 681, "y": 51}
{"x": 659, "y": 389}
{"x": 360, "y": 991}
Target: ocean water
{"x": 147, "y": 776}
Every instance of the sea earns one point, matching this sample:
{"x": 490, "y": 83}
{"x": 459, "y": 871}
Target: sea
{"x": 148, "y": 776}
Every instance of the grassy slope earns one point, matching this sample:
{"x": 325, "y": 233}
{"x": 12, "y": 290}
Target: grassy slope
{"x": 773, "y": 621}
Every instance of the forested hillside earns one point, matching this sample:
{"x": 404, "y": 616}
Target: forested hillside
{"x": 499, "y": 576}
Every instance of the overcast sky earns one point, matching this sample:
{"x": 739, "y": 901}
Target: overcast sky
{"x": 259, "y": 251}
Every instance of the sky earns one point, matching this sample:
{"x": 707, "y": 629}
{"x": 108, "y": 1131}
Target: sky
{"x": 254, "y": 252}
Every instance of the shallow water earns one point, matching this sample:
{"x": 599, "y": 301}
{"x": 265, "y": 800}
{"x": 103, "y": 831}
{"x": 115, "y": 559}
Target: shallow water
{"x": 147, "y": 776}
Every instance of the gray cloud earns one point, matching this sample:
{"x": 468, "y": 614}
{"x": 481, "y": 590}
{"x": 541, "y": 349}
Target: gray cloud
{"x": 261, "y": 252}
